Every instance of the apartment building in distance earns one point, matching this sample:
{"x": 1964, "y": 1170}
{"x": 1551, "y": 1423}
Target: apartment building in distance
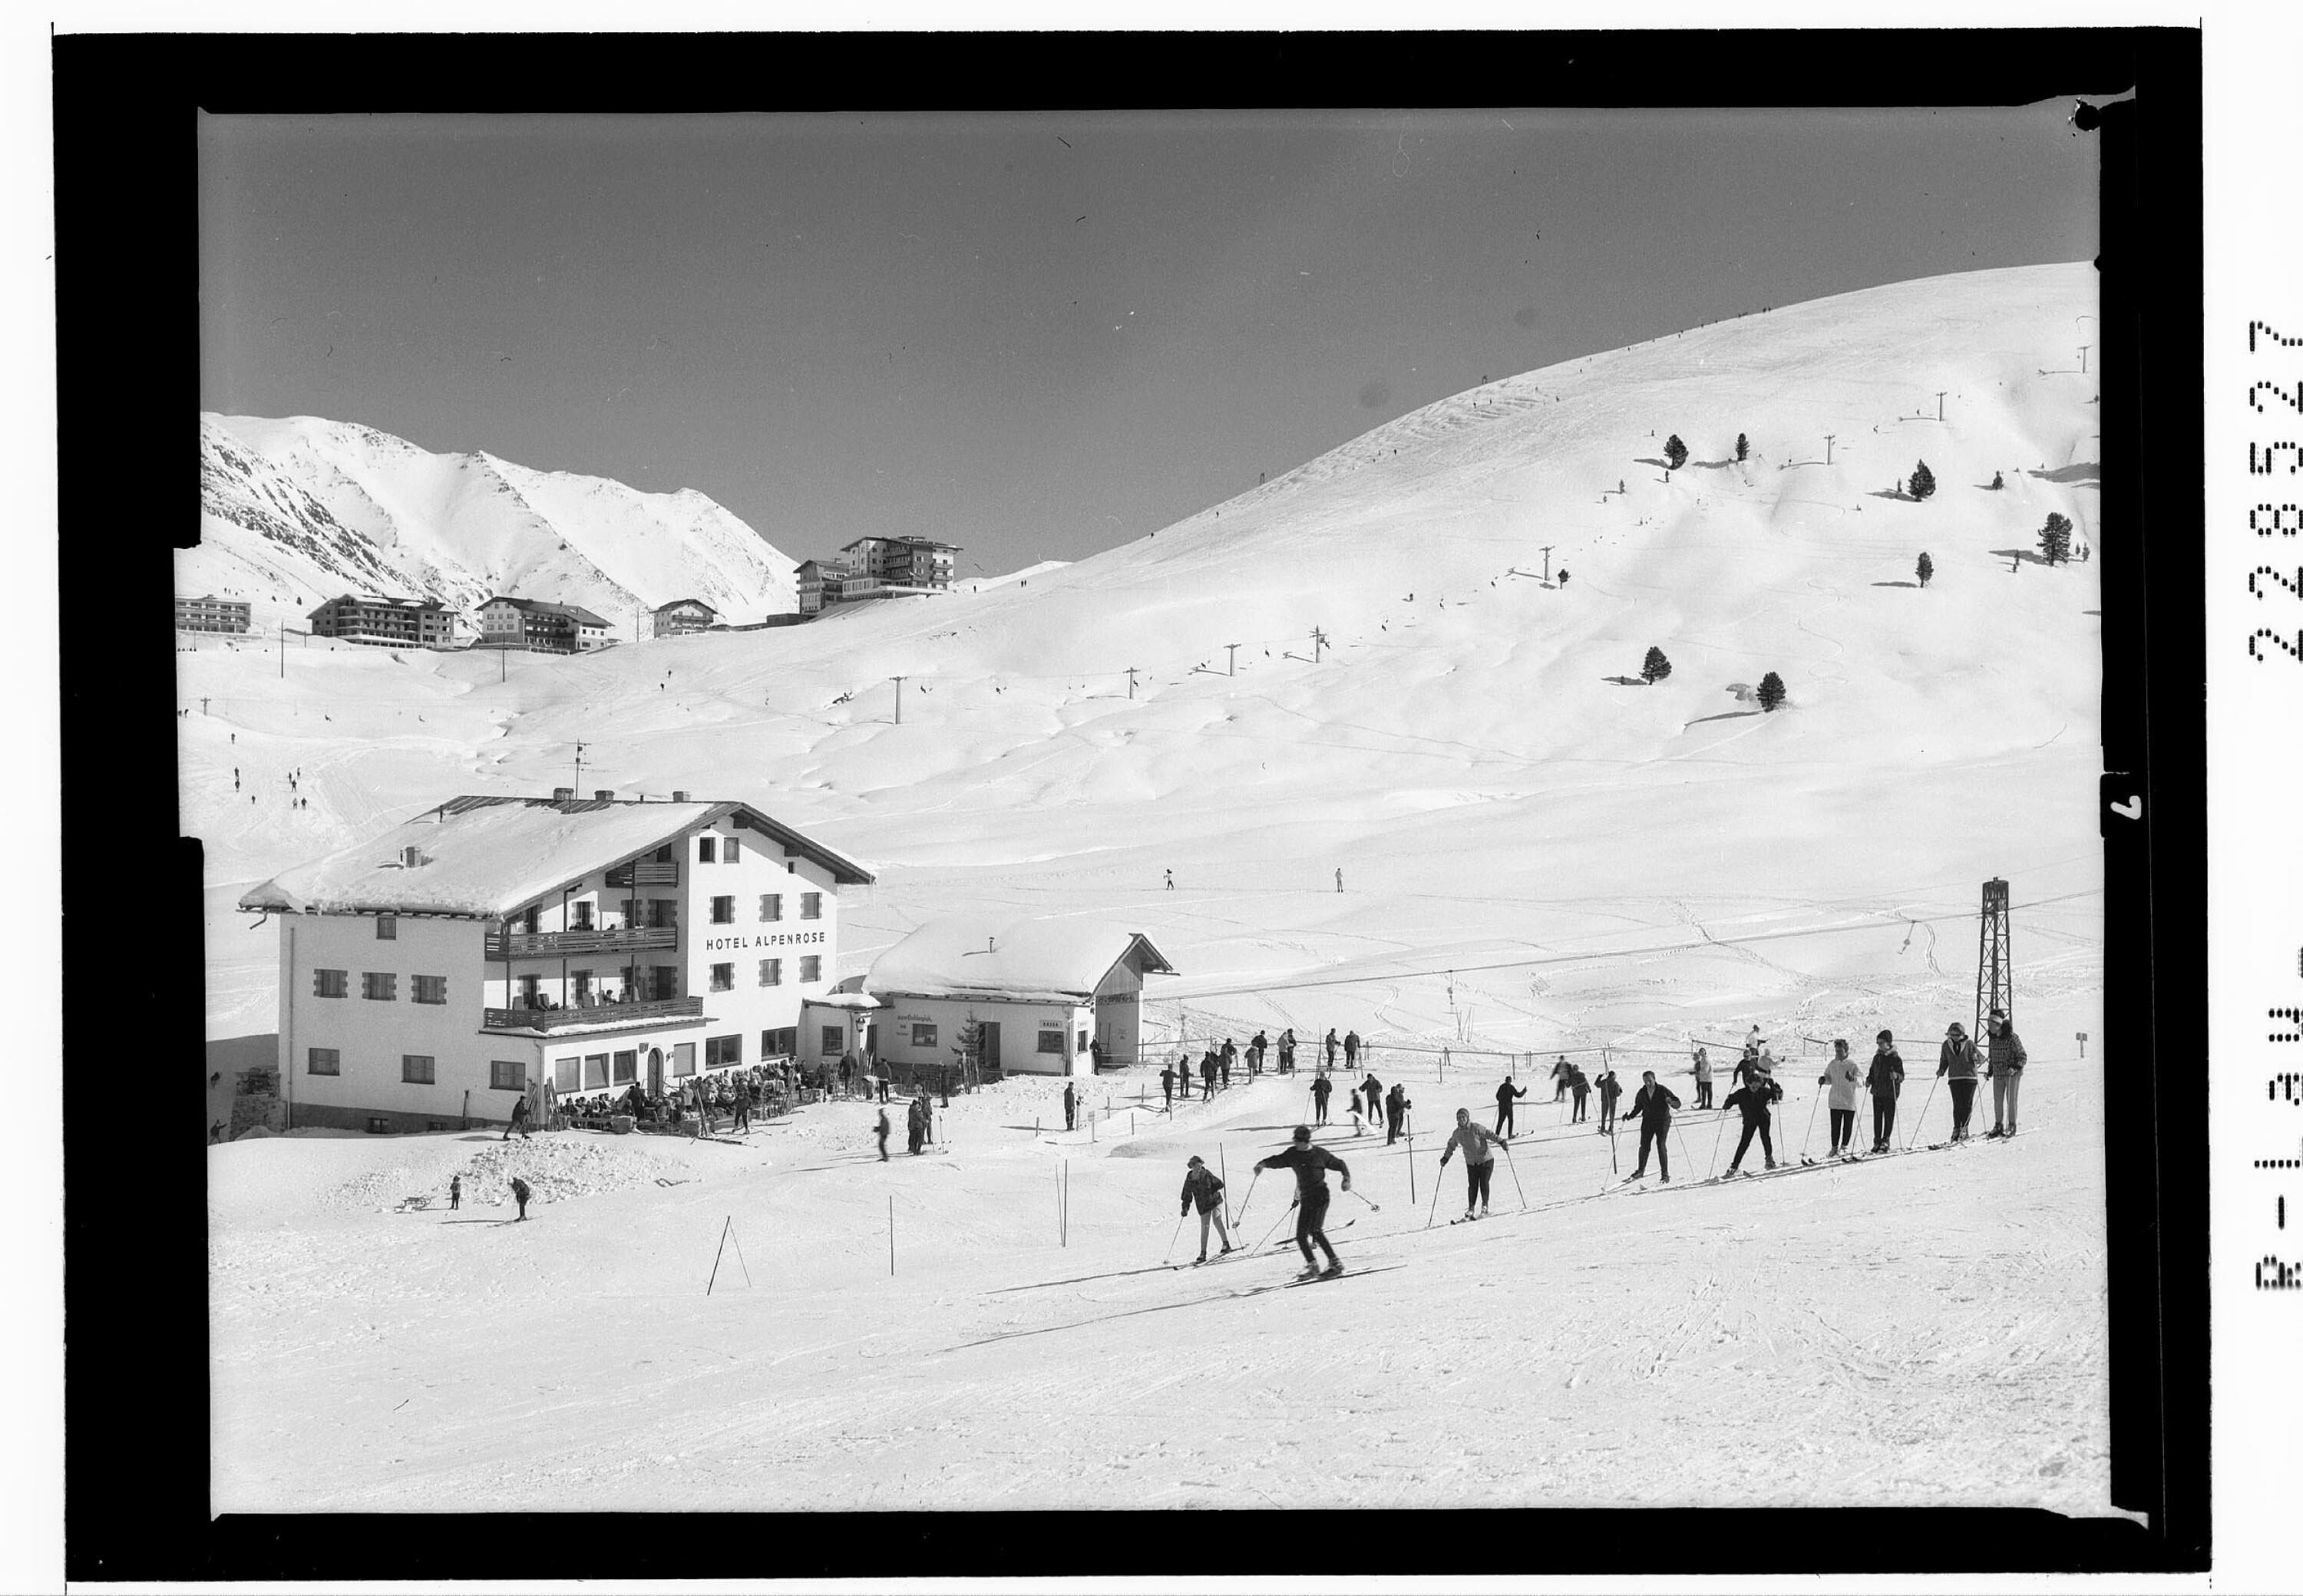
{"x": 537, "y": 624}
{"x": 387, "y": 621}
{"x": 875, "y": 567}
{"x": 493, "y": 946}
{"x": 682, "y": 616}
{"x": 209, "y": 613}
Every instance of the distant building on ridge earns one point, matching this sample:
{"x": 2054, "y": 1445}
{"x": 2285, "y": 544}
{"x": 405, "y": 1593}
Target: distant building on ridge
{"x": 682, "y": 616}
{"x": 875, "y": 567}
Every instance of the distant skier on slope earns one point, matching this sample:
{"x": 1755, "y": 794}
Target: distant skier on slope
{"x": 1166, "y": 1088}
{"x": 1841, "y": 1078}
{"x": 1207, "y": 1075}
{"x": 1310, "y": 1164}
{"x": 1479, "y": 1145}
{"x": 1351, "y": 1050}
{"x": 1753, "y": 1099}
{"x": 1287, "y": 1050}
{"x": 1580, "y": 1085}
{"x": 520, "y": 1194}
{"x": 1372, "y": 1089}
{"x": 1652, "y": 1106}
{"x": 1885, "y": 1079}
{"x": 1331, "y": 1047}
{"x": 1321, "y": 1089}
{"x": 1958, "y": 1061}
{"x": 1224, "y": 1062}
{"x": 2004, "y": 1071}
{"x": 1609, "y": 1089}
{"x": 1201, "y": 1186}
{"x": 1505, "y": 1095}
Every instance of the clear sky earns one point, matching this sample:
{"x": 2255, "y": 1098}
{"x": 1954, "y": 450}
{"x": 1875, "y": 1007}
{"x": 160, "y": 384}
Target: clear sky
{"x": 1038, "y": 335}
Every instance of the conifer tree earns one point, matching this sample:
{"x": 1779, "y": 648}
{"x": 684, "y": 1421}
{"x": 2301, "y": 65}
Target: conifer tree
{"x": 1742, "y": 447}
{"x": 1674, "y": 451}
{"x": 1923, "y": 481}
{"x": 1771, "y": 691}
{"x": 1927, "y": 567}
{"x": 1655, "y": 667}
{"x": 2055, "y": 539}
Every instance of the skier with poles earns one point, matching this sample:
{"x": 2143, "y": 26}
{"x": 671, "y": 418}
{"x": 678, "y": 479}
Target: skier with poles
{"x": 1580, "y": 1085}
{"x": 1652, "y": 1106}
{"x": 1958, "y": 1063}
{"x": 1310, "y": 1164}
{"x": 1610, "y": 1089}
{"x": 1885, "y": 1079}
{"x": 1372, "y": 1090}
{"x": 1396, "y": 1107}
{"x": 1753, "y": 1098}
{"x": 1505, "y": 1095}
{"x": 1479, "y": 1145}
{"x": 1321, "y": 1088}
{"x": 520, "y": 1194}
{"x": 1841, "y": 1077}
{"x": 1203, "y": 1186}
{"x": 1702, "y": 1079}
{"x": 2004, "y": 1071}
{"x": 1207, "y": 1075}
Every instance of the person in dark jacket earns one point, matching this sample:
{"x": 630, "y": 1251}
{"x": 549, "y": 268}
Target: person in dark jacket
{"x": 1559, "y": 1080}
{"x": 1310, "y": 1164}
{"x": 518, "y": 1118}
{"x": 1207, "y": 1075}
{"x": 1287, "y": 1050}
{"x": 1702, "y": 1078}
{"x": 1351, "y": 1050}
{"x": 1167, "y": 1088}
{"x": 1885, "y": 1079}
{"x": 1396, "y": 1106}
{"x": 1609, "y": 1089}
{"x": 881, "y": 1130}
{"x": 2005, "y": 1070}
{"x": 1224, "y": 1062}
{"x": 1321, "y": 1089}
{"x": 1580, "y": 1085}
{"x": 455, "y": 1191}
{"x": 1256, "y": 1050}
{"x": 1506, "y": 1095}
{"x": 1652, "y": 1106}
{"x": 1071, "y": 1107}
{"x": 1331, "y": 1045}
{"x": 1479, "y": 1145}
{"x": 1753, "y": 1099}
{"x": 1372, "y": 1090}
{"x": 1958, "y": 1062}
{"x": 1201, "y": 1186}
{"x": 915, "y": 1125}
{"x": 519, "y": 1195}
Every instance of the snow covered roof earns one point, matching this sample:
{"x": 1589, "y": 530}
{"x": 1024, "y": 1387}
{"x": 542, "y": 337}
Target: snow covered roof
{"x": 679, "y": 603}
{"x": 488, "y": 856}
{"x": 545, "y": 606}
{"x": 1041, "y": 960}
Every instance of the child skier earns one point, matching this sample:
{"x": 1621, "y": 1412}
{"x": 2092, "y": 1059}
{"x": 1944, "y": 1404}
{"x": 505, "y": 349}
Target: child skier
{"x": 1753, "y": 1098}
{"x": 1841, "y": 1078}
{"x": 1201, "y": 1186}
{"x": 1479, "y": 1145}
{"x": 1885, "y": 1079}
{"x": 455, "y": 1191}
{"x": 1310, "y": 1164}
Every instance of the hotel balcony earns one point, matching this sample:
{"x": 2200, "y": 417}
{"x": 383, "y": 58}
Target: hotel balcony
{"x": 646, "y": 1010}
{"x": 645, "y": 873}
{"x": 563, "y": 944}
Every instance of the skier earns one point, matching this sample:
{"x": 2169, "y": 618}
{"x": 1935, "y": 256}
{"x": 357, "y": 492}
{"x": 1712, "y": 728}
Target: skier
{"x": 743, "y": 1112}
{"x": 1396, "y": 1107}
{"x": 518, "y": 1118}
{"x": 1841, "y": 1077}
{"x": 1310, "y": 1164}
{"x": 881, "y": 1130}
{"x": 1351, "y": 1050}
{"x": 1200, "y": 1185}
{"x": 519, "y": 1195}
{"x": 1224, "y": 1062}
{"x": 1255, "y": 1049}
{"x": 455, "y": 1191}
{"x": 1339, "y": 878}
{"x": 1372, "y": 1089}
{"x": 1207, "y": 1075}
{"x": 1331, "y": 1047}
{"x": 1702, "y": 1079}
{"x": 2005, "y": 1070}
{"x": 1071, "y": 1107}
{"x": 1652, "y": 1106}
{"x": 1580, "y": 1086}
{"x": 1167, "y": 1088}
{"x": 1885, "y": 1079}
{"x": 1610, "y": 1089}
{"x": 1479, "y": 1145}
{"x": 1287, "y": 1050}
{"x": 1754, "y": 1098}
{"x": 1958, "y": 1062}
{"x": 1171, "y": 881}
{"x": 1563, "y": 576}
{"x": 1504, "y": 1095}
{"x": 912, "y": 1127}
{"x": 1321, "y": 1088}
{"x": 879, "y": 1073}
{"x": 1559, "y": 1080}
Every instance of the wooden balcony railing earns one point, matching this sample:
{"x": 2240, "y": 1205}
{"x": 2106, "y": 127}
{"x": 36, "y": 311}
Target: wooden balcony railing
{"x": 645, "y": 873}
{"x": 595, "y": 1014}
{"x": 551, "y": 944}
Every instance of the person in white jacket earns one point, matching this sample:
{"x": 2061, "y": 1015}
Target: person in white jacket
{"x": 1844, "y": 1078}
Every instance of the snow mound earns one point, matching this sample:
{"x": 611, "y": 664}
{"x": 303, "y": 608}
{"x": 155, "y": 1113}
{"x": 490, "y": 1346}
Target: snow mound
{"x": 558, "y": 1167}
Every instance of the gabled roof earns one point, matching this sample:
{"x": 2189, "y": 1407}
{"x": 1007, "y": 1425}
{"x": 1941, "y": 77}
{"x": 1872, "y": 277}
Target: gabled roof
{"x": 486, "y": 856}
{"x": 1060, "y": 960}
{"x": 676, "y": 603}
{"x": 383, "y": 602}
{"x": 540, "y": 607}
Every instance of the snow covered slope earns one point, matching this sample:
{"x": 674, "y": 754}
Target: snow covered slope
{"x": 297, "y": 510}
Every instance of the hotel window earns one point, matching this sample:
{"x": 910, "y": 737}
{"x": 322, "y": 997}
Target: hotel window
{"x": 323, "y": 1060}
{"x": 811, "y": 905}
{"x": 430, "y": 988}
{"x": 720, "y": 1051}
{"x": 528, "y": 991}
{"x": 416, "y": 1068}
{"x": 772, "y": 906}
{"x": 329, "y": 984}
{"x": 583, "y": 979}
{"x": 595, "y": 1070}
{"x": 724, "y": 978}
{"x": 835, "y": 1039}
{"x": 922, "y": 1035}
{"x": 507, "y": 1075}
{"x": 633, "y": 918}
{"x": 566, "y": 1074}
{"x": 724, "y": 911}
{"x": 781, "y": 1042}
{"x": 583, "y": 912}
{"x": 705, "y": 847}
{"x": 666, "y": 981}
{"x": 772, "y": 972}
{"x": 683, "y": 1058}
{"x": 811, "y": 967}
{"x": 379, "y": 986}
{"x": 663, "y": 854}
{"x": 628, "y": 1067}
{"x": 387, "y": 928}
{"x": 1051, "y": 1042}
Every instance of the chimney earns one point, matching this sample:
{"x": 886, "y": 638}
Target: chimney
{"x": 604, "y": 794}
{"x": 679, "y": 795}
{"x": 411, "y": 857}
{"x": 563, "y": 795}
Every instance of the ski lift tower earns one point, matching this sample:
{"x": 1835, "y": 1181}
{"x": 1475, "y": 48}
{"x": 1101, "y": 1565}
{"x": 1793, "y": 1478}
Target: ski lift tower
{"x": 1995, "y": 962}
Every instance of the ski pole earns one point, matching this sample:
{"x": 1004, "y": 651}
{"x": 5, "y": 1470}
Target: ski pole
{"x": 1282, "y": 1219}
{"x": 1513, "y": 1164}
{"x": 1923, "y": 1115}
{"x": 1243, "y": 1202}
{"x": 1172, "y": 1239}
{"x": 1807, "y": 1140}
{"x": 1722, "y": 1136}
{"x": 1435, "y": 1198}
{"x": 1686, "y": 1163}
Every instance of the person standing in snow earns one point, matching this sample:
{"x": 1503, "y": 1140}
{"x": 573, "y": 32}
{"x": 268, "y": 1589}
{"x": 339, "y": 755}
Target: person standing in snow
{"x": 455, "y": 1191}
{"x": 1957, "y": 1061}
{"x": 1287, "y": 1050}
{"x": 1753, "y": 1098}
{"x": 2005, "y": 1070}
{"x": 1207, "y": 1075}
{"x": 1479, "y": 1145}
{"x": 1505, "y": 1095}
{"x": 1331, "y": 1047}
{"x": 1652, "y": 1106}
{"x": 1167, "y": 1088}
{"x": 1559, "y": 1080}
{"x": 519, "y": 1195}
{"x": 1321, "y": 1088}
{"x": 1255, "y": 1049}
{"x": 1224, "y": 1062}
{"x": 1171, "y": 881}
{"x": 1580, "y": 1085}
{"x": 1339, "y": 878}
{"x": 1201, "y": 1186}
{"x": 1071, "y": 1116}
{"x": 1609, "y": 1089}
{"x": 1841, "y": 1078}
{"x": 1396, "y": 1107}
{"x": 1350, "y": 1051}
{"x": 518, "y": 1121}
{"x": 881, "y": 1130}
{"x": 1371, "y": 1091}
{"x": 1885, "y": 1079}
{"x": 1702, "y": 1079}
{"x": 743, "y": 1110}
{"x": 1311, "y": 1165}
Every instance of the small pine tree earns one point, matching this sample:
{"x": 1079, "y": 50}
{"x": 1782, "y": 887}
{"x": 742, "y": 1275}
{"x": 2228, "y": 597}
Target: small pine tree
{"x": 1674, "y": 451}
{"x": 2055, "y": 539}
{"x": 1771, "y": 691}
{"x": 1923, "y": 481}
{"x": 1997, "y": 482}
{"x": 1927, "y": 567}
{"x": 1655, "y": 667}
{"x": 1742, "y": 447}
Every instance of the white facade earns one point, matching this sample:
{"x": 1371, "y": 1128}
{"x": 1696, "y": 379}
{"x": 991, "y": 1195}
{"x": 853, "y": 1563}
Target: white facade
{"x": 1020, "y": 1036}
